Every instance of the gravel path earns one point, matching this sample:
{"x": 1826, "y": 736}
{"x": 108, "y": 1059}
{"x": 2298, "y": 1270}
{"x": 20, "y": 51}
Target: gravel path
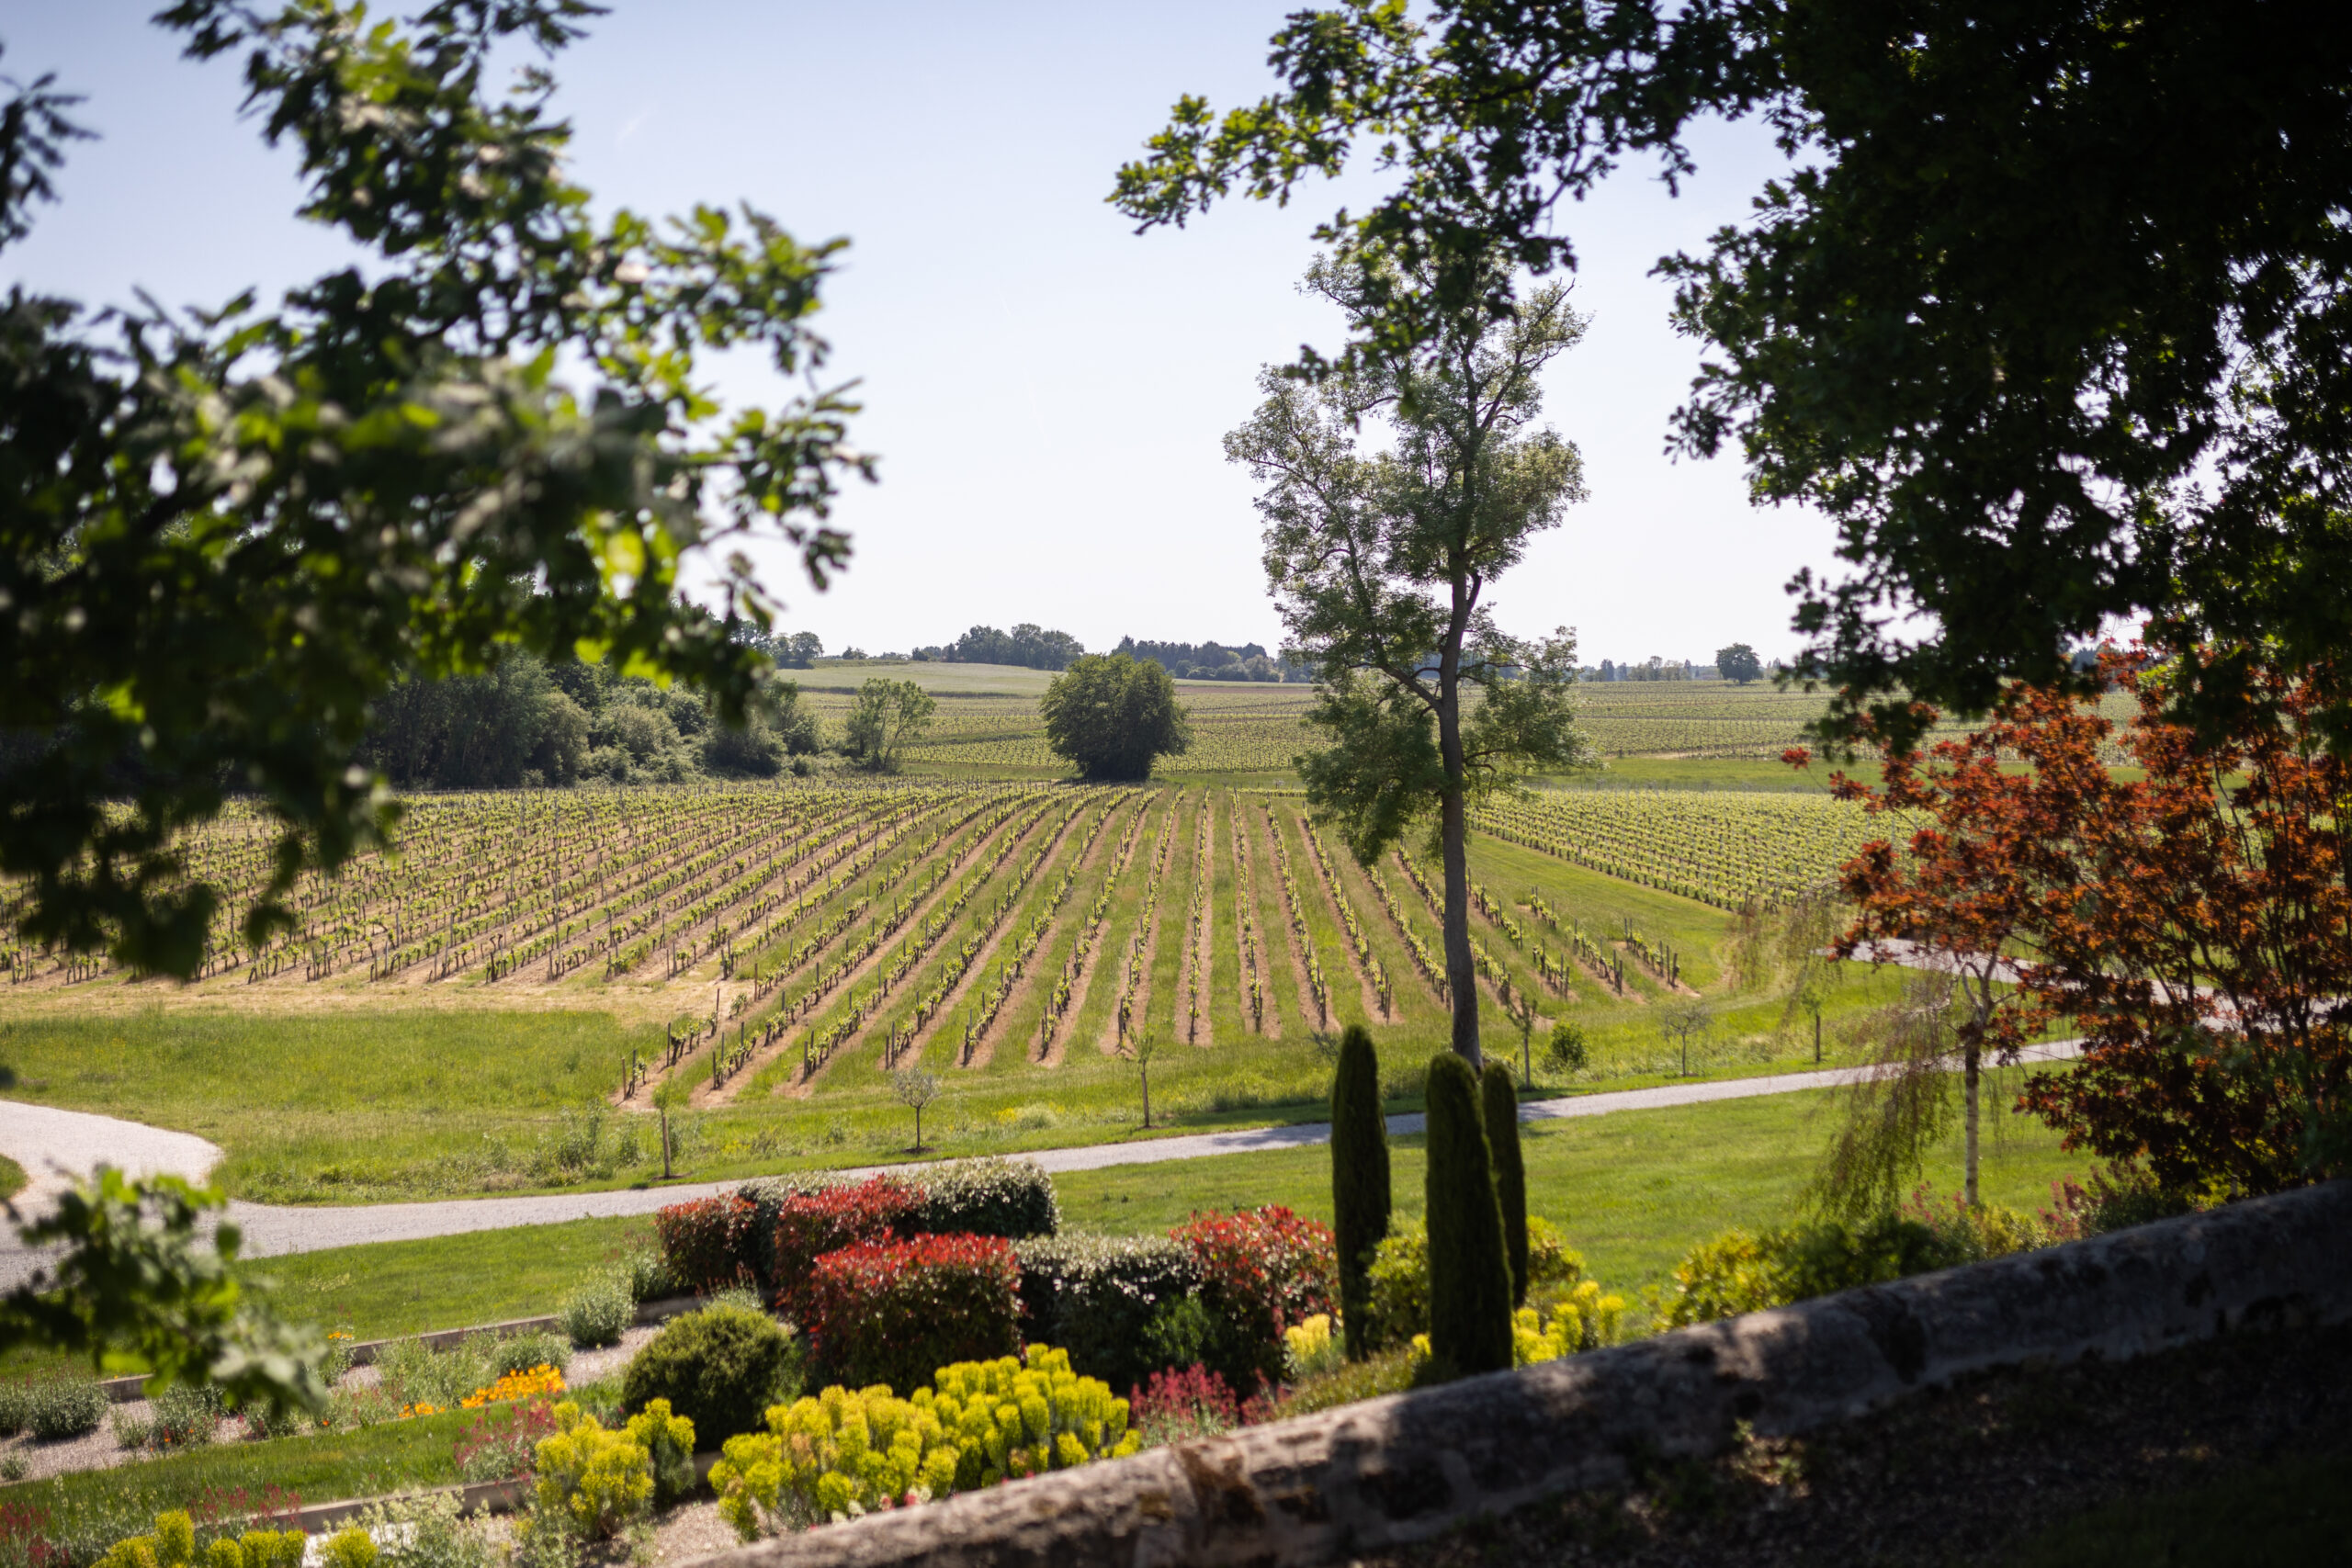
{"x": 60, "y": 1148}
{"x": 272, "y": 1230}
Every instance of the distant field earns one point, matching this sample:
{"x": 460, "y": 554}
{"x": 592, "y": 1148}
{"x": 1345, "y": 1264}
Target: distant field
{"x": 988, "y": 723}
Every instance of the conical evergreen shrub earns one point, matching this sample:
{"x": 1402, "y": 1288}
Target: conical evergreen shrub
{"x": 1470, "y": 1301}
{"x": 1360, "y": 1195}
{"x": 1510, "y": 1172}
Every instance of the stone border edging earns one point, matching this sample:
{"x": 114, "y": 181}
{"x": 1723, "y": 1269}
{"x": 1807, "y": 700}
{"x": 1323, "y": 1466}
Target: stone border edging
{"x": 126, "y": 1391}
{"x": 1407, "y": 1467}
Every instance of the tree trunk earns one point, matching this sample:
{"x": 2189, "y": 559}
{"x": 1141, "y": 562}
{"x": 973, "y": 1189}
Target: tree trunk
{"x": 1461, "y": 977}
{"x": 1970, "y": 1063}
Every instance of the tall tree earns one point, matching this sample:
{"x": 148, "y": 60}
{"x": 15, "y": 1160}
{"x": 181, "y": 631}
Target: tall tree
{"x": 889, "y": 716}
{"x": 2051, "y": 317}
{"x": 224, "y": 535}
{"x": 1112, "y": 716}
{"x": 1359, "y": 1189}
{"x": 1739, "y": 664}
{"x": 1380, "y": 562}
{"x": 1470, "y": 1281}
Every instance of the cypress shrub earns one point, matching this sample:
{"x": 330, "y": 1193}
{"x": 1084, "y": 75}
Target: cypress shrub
{"x": 1469, "y": 1275}
{"x": 1510, "y": 1172}
{"x": 1360, "y": 1195}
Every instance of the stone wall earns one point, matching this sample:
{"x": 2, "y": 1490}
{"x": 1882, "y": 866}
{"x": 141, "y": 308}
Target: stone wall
{"x": 1408, "y": 1466}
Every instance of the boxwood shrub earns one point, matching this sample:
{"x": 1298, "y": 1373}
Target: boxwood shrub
{"x": 720, "y": 1367}
{"x": 1122, "y": 1307}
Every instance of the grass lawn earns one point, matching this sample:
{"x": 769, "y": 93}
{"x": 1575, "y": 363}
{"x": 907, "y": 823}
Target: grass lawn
{"x": 12, "y": 1177}
{"x": 95, "y": 1507}
{"x": 332, "y": 1106}
{"x": 390, "y": 1288}
{"x": 1633, "y": 1191}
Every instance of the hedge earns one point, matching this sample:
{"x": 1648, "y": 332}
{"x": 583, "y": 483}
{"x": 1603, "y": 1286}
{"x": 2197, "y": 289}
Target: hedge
{"x": 1118, "y": 1305}
{"x": 895, "y": 1312}
{"x": 1013, "y": 1199}
{"x": 1261, "y": 1271}
{"x": 811, "y": 1224}
{"x": 706, "y": 1242}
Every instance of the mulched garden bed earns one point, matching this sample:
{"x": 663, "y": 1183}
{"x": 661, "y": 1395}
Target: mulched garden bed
{"x": 1983, "y": 1471}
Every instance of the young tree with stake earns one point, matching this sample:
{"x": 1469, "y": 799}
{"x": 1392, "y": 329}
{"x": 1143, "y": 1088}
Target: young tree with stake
{"x": 916, "y": 1089}
{"x": 1380, "y": 562}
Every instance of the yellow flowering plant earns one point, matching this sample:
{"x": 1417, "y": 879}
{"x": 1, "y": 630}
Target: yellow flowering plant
{"x": 593, "y": 1481}
{"x": 840, "y": 1454}
{"x": 1576, "y": 1321}
{"x": 1313, "y": 1346}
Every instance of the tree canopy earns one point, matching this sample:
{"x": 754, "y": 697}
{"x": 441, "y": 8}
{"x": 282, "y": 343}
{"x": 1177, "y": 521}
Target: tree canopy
{"x": 1380, "y": 563}
{"x": 2050, "y": 316}
{"x": 226, "y": 533}
{"x": 2191, "y": 915}
{"x": 1112, "y": 716}
{"x": 1739, "y": 664}
{"x": 1028, "y": 645}
{"x": 888, "y": 717}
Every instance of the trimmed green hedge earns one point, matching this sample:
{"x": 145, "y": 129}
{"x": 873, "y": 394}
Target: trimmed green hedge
{"x": 1122, "y": 1306}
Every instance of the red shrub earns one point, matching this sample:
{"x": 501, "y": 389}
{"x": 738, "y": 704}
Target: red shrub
{"x": 811, "y": 1224}
{"x": 1176, "y": 1404}
{"x": 1262, "y": 1271}
{"x": 896, "y": 1312}
{"x": 504, "y": 1440}
{"x": 703, "y": 1241}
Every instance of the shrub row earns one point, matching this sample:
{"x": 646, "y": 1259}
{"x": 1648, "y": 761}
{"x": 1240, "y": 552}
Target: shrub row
{"x": 769, "y": 1232}
{"x": 1738, "y": 1272}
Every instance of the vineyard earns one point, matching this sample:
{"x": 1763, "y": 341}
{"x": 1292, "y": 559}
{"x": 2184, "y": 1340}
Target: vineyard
{"x": 800, "y": 939}
{"x": 1718, "y": 849}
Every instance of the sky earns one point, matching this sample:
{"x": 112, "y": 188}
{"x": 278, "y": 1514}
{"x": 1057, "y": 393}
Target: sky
{"x": 1046, "y": 389}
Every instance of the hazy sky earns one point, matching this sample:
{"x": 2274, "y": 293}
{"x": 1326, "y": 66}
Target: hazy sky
{"x": 1046, "y": 389}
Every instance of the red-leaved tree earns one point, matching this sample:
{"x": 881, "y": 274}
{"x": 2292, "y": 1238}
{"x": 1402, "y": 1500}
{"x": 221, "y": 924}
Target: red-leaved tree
{"x": 2188, "y": 912}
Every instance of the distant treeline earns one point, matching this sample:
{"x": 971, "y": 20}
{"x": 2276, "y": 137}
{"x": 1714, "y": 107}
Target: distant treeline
{"x": 1031, "y": 647}
{"x": 1028, "y": 645}
{"x": 1214, "y": 660}
{"x": 531, "y": 725}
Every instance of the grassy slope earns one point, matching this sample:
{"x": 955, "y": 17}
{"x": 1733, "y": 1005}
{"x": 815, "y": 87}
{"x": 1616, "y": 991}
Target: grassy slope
{"x": 353, "y": 1101}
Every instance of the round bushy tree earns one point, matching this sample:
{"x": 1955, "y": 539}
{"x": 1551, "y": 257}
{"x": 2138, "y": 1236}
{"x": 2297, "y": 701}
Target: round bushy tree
{"x": 1469, "y": 1274}
{"x": 720, "y": 1367}
{"x": 1360, "y": 1196}
{"x": 1510, "y": 1171}
{"x": 1111, "y": 716}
